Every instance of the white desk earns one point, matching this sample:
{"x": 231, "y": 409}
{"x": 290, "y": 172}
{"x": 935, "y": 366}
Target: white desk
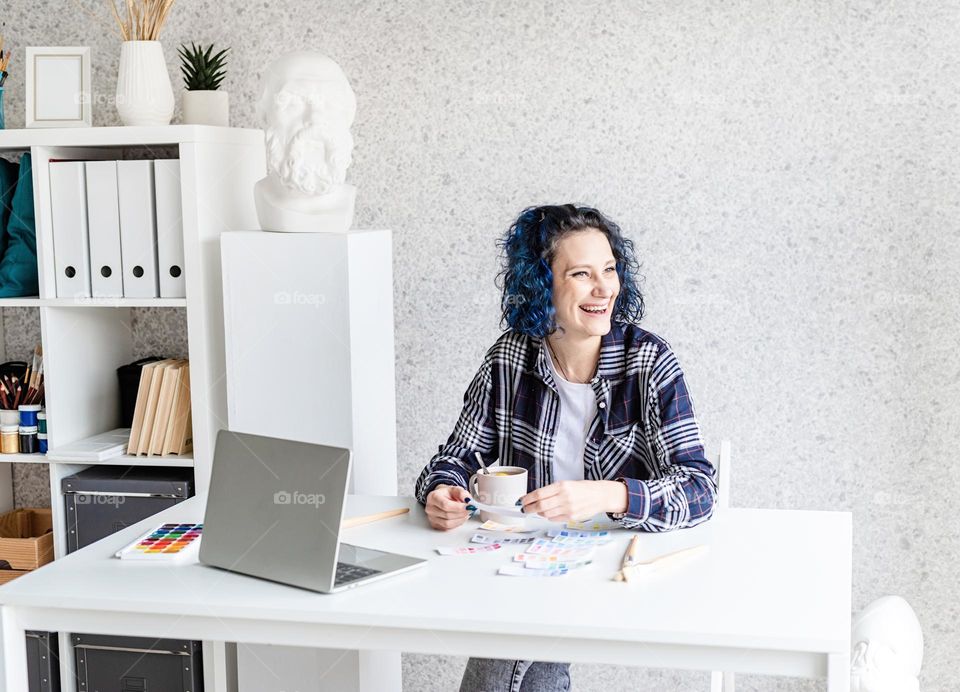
{"x": 770, "y": 596}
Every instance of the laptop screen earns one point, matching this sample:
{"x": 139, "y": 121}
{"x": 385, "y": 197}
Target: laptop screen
{"x": 274, "y": 509}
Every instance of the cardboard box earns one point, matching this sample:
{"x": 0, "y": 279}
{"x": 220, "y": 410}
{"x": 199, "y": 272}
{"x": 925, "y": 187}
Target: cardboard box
{"x": 26, "y": 538}
{"x": 11, "y": 574}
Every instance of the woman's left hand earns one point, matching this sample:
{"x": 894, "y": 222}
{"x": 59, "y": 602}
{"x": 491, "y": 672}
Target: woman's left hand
{"x": 575, "y": 500}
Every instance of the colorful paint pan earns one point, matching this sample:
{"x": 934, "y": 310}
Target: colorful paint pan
{"x": 168, "y": 542}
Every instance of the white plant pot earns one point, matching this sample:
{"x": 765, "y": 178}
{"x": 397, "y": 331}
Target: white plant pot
{"x": 206, "y": 108}
{"x": 144, "y": 93}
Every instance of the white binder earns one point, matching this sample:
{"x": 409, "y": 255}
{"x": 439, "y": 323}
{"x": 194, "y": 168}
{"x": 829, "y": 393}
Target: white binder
{"x": 166, "y": 173}
{"x": 103, "y": 217}
{"x": 71, "y": 253}
{"x": 138, "y": 233}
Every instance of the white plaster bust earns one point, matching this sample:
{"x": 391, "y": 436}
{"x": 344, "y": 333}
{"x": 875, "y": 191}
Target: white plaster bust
{"x": 887, "y": 648}
{"x": 307, "y": 108}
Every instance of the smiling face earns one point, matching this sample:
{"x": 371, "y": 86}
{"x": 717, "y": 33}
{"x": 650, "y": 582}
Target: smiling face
{"x": 585, "y": 284}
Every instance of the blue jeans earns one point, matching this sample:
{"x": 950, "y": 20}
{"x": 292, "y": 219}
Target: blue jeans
{"x": 499, "y": 675}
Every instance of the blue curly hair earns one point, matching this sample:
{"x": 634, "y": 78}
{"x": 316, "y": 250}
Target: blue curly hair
{"x": 528, "y": 248}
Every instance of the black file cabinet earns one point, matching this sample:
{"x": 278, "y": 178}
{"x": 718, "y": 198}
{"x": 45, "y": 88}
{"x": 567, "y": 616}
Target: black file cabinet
{"x": 137, "y": 664}
{"x": 102, "y": 500}
{"x": 43, "y": 662}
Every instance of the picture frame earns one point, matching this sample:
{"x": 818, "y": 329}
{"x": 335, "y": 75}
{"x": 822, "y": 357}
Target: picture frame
{"x": 58, "y": 91}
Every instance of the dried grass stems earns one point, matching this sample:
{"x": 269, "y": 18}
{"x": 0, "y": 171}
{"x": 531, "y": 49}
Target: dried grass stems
{"x": 144, "y": 18}
{"x": 141, "y": 20}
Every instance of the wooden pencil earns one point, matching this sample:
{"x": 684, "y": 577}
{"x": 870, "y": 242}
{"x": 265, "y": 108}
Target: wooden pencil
{"x": 366, "y": 519}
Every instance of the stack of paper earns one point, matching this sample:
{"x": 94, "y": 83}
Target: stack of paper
{"x": 98, "y": 448}
{"x": 162, "y": 421}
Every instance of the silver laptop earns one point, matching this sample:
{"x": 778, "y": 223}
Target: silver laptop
{"x": 274, "y": 511}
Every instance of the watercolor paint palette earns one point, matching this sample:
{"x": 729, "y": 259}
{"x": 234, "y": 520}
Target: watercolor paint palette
{"x": 168, "y": 543}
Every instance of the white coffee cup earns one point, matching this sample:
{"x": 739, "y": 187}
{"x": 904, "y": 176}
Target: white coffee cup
{"x": 503, "y": 486}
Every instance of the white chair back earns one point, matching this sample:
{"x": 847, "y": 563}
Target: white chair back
{"x": 723, "y": 476}
{"x": 722, "y": 681}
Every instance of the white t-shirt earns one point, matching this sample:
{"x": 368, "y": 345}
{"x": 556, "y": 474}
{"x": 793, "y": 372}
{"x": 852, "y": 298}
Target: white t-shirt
{"x": 578, "y": 408}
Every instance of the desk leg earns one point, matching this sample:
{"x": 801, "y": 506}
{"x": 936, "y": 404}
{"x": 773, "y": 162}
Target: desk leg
{"x": 721, "y": 681}
{"x": 220, "y": 666}
{"x": 838, "y": 673}
{"x": 14, "y": 651}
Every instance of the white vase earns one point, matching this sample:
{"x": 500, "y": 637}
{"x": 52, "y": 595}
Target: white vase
{"x": 206, "y": 108}
{"x": 144, "y": 94}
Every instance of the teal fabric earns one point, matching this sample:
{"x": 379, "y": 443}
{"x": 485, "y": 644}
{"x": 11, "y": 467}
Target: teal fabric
{"x": 8, "y": 184}
{"x": 18, "y": 268}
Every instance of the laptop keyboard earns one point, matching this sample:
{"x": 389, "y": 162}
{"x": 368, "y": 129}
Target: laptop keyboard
{"x": 348, "y": 573}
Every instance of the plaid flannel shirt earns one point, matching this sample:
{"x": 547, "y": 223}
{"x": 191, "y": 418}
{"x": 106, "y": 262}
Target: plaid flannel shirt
{"x": 645, "y": 431}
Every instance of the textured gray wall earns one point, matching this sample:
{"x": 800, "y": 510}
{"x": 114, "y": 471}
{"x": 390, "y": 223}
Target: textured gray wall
{"x": 788, "y": 170}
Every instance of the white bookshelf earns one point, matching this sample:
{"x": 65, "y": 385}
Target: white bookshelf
{"x": 85, "y": 340}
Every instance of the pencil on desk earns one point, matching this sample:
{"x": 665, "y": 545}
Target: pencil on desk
{"x": 635, "y": 569}
{"x": 366, "y": 519}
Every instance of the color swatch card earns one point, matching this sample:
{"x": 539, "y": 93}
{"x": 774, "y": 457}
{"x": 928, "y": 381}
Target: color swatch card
{"x": 470, "y": 550}
{"x": 569, "y": 565}
{"x": 597, "y": 523}
{"x": 567, "y": 537}
{"x": 493, "y": 538}
{"x": 542, "y": 546}
{"x": 168, "y": 543}
{"x": 521, "y": 571}
{"x": 499, "y": 509}
{"x": 491, "y": 525}
{"x": 534, "y": 558}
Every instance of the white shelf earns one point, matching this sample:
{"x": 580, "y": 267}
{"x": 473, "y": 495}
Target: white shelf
{"x": 93, "y": 302}
{"x": 23, "y": 458}
{"x": 126, "y": 136}
{"x": 171, "y": 460}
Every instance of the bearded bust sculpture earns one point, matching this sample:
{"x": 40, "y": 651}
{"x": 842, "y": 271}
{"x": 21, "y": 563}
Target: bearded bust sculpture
{"x": 887, "y": 648}
{"x": 307, "y": 108}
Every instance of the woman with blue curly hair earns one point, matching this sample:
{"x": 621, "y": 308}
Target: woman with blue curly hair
{"x": 592, "y": 405}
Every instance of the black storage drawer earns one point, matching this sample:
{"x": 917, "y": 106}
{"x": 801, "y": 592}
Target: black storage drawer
{"x": 43, "y": 663}
{"x": 102, "y": 500}
{"x": 137, "y": 664}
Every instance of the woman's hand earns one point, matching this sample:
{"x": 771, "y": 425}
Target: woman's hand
{"x": 575, "y": 500}
{"x": 446, "y": 507}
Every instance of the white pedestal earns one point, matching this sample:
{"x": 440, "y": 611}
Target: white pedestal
{"x": 308, "y": 321}
{"x": 309, "y": 344}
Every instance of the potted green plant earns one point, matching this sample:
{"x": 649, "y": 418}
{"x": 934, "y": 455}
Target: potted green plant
{"x": 203, "y": 70}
